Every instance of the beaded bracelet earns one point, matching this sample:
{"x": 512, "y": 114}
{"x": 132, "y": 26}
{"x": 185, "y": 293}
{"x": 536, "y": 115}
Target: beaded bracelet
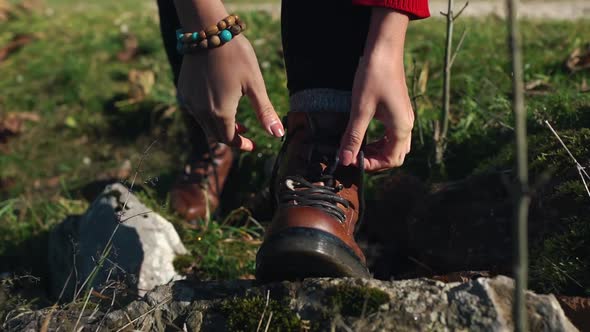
{"x": 211, "y": 37}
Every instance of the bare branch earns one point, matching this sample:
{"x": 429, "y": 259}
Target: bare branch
{"x": 562, "y": 143}
{"x": 415, "y": 102}
{"x": 458, "y": 48}
{"x": 523, "y": 198}
{"x": 461, "y": 11}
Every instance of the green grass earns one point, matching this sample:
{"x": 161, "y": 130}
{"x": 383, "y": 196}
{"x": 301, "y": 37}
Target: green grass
{"x": 70, "y": 77}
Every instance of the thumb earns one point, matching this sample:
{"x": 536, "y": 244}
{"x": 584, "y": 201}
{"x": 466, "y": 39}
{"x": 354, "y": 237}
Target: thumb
{"x": 267, "y": 116}
{"x": 353, "y": 137}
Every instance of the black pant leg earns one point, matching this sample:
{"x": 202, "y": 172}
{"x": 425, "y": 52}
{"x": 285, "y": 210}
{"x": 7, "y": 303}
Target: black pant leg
{"x": 322, "y": 42}
{"x": 169, "y": 23}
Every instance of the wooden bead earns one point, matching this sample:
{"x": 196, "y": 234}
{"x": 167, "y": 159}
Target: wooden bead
{"x": 221, "y": 25}
{"x": 243, "y": 26}
{"x": 235, "y": 30}
{"x": 212, "y": 30}
{"x": 214, "y": 41}
{"x": 204, "y": 44}
{"x": 202, "y": 35}
{"x": 230, "y": 20}
{"x": 238, "y": 21}
{"x": 236, "y": 17}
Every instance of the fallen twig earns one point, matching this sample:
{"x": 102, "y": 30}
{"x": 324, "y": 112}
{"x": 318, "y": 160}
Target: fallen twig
{"x": 581, "y": 169}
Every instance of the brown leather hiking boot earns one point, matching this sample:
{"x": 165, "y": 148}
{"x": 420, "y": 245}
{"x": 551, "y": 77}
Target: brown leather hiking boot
{"x": 318, "y": 205}
{"x": 195, "y": 195}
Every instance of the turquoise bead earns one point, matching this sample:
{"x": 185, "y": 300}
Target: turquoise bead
{"x": 225, "y": 36}
{"x": 195, "y": 36}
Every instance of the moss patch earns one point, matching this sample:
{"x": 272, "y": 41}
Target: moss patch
{"x": 244, "y": 314}
{"x": 356, "y": 301}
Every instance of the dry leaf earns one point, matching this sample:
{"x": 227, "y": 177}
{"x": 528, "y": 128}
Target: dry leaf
{"x": 7, "y": 183}
{"x": 130, "y": 48}
{"x": 141, "y": 83}
{"x": 11, "y": 125}
{"x": 30, "y": 6}
{"x": 579, "y": 59}
{"x": 5, "y": 10}
{"x": 17, "y": 43}
{"x": 577, "y": 309}
{"x": 538, "y": 87}
{"x": 49, "y": 183}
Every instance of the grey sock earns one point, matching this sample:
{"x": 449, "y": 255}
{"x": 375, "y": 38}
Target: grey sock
{"x": 321, "y": 100}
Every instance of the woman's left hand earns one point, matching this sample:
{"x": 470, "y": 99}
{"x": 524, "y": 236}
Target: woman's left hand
{"x": 380, "y": 92}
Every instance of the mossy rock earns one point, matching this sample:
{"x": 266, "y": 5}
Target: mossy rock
{"x": 245, "y": 314}
{"x": 355, "y": 301}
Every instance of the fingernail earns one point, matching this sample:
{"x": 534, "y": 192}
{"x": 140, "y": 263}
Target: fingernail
{"x": 277, "y": 129}
{"x": 346, "y": 157}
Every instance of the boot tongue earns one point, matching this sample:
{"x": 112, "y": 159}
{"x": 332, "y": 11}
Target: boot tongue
{"x": 322, "y": 132}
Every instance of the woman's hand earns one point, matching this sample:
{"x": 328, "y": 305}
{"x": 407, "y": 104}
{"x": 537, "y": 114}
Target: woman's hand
{"x": 380, "y": 92}
{"x": 212, "y": 82}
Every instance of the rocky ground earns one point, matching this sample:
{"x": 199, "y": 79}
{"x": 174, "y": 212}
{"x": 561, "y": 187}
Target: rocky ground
{"x": 103, "y": 262}
{"x": 312, "y": 305}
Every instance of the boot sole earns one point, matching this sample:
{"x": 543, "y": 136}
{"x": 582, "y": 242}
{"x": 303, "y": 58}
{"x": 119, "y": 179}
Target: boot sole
{"x": 298, "y": 253}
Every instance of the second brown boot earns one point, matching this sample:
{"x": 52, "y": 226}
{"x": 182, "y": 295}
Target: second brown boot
{"x": 195, "y": 194}
{"x": 318, "y": 205}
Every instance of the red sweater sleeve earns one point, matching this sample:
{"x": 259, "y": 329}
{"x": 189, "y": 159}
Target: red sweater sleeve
{"x": 416, "y": 9}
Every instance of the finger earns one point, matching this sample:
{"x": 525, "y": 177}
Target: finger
{"x": 385, "y": 154}
{"x": 352, "y": 140}
{"x": 229, "y": 133}
{"x": 265, "y": 112}
{"x": 243, "y": 143}
{"x": 378, "y": 162}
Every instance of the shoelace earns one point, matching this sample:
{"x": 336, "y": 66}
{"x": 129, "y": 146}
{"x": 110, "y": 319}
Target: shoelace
{"x": 204, "y": 163}
{"x": 298, "y": 191}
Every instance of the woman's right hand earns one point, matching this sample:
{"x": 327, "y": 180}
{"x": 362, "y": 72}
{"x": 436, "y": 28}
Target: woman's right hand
{"x": 212, "y": 82}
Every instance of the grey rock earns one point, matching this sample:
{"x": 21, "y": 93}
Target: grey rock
{"x": 409, "y": 305}
{"x": 144, "y": 246}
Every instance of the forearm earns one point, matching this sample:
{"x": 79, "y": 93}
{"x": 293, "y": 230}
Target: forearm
{"x": 387, "y": 34}
{"x": 196, "y": 15}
